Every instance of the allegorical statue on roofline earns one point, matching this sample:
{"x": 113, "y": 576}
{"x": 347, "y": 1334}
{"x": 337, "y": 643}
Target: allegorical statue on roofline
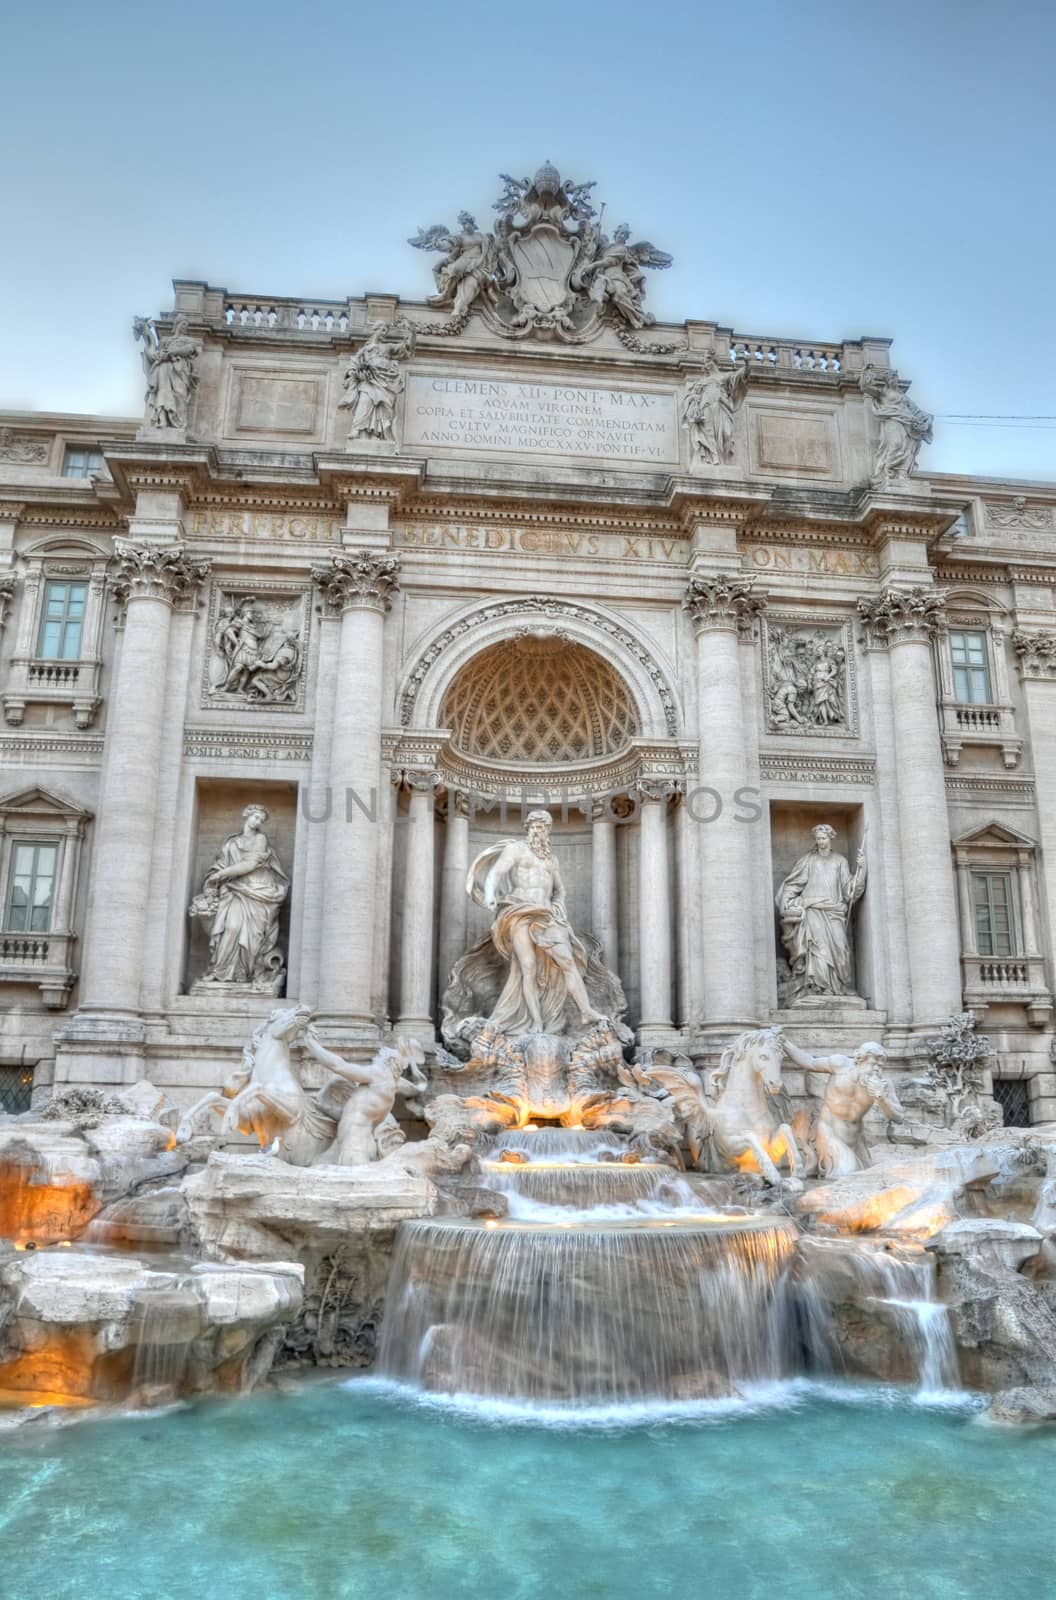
{"x": 547, "y": 270}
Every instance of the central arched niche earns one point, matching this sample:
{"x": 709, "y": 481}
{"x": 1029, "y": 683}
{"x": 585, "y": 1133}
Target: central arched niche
{"x": 539, "y": 699}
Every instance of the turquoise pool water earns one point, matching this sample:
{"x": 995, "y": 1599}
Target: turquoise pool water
{"x": 342, "y": 1492}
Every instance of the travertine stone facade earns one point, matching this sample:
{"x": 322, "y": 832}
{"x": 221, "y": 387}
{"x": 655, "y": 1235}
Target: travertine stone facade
{"x": 386, "y": 569}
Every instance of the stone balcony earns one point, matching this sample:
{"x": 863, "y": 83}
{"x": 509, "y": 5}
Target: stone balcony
{"x": 1008, "y": 980}
{"x": 46, "y": 682}
{"x": 41, "y": 961}
{"x": 979, "y": 725}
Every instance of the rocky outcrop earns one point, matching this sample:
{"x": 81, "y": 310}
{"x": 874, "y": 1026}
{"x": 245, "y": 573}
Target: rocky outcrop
{"x": 340, "y": 1222}
{"x": 254, "y": 1207}
{"x": 917, "y": 1196}
{"x": 56, "y": 1175}
{"x": 1003, "y": 1324}
{"x": 77, "y": 1325}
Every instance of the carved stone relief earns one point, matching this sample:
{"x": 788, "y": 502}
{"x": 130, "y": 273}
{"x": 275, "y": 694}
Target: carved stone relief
{"x": 257, "y": 645}
{"x": 808, "y": 677}
{"x": 22, "y": 447}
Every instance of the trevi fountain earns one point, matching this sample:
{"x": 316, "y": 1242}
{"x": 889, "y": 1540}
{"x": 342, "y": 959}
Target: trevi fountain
{"x": 553, "y": 1093}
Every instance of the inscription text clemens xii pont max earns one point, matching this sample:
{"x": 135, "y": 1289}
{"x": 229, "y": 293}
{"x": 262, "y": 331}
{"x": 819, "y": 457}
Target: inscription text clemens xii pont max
{"x": 541, "y": 418}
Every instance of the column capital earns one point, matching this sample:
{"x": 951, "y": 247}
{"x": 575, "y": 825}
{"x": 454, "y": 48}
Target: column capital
{"x": 718, "y": 602}
{"x": 419, "y": 780}
{"x": 156, "y": 572}
{"x": 902, "y": 616}
{"x": 656, "y": 790}
{"x": 1035, "y": 653}
{"x": 359, "y": 579}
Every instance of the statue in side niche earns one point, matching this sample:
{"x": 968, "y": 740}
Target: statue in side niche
{"x": 814, "y": 904}
{"x": 239, "y": 906}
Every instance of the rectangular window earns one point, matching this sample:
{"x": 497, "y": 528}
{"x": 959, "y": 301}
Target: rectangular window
{"x": 62, "y": 621}
{"x": 16, "y": 1089}
{"x": 994, "y": 921}
{"x": 81, "y": 463}
{"x": 1013, "y": 1097}
{"x": 31, "y": 887}
{"x": 971, "y": 668}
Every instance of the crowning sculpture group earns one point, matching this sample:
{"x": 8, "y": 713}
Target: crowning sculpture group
{"x": 547, "y": 270}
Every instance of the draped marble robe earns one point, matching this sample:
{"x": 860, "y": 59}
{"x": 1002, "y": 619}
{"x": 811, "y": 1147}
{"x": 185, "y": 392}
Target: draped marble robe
{"x": 814, "y": 903}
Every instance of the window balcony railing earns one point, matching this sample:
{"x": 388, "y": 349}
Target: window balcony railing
{"x": 1016, "y": 980}
{"x": 44, "y": 681}
{"x": 991, "y": 724}
{"x": 41, "y": 961}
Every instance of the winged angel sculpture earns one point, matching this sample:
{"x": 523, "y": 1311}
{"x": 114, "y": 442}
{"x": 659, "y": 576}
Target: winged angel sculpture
{"x": 547, "y": 269}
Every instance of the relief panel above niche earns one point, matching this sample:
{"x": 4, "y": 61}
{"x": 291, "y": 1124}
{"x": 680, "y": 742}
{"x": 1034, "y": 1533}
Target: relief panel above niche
{"x": 276, "y": 403}
{"x": 788, "y": 441}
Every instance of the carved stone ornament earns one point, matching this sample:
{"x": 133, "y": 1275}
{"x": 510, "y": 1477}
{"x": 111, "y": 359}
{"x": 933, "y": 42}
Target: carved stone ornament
{"x": 1018, "y": 513}
{"x": 258, "y": 650}
{"x": 156, "y": 572}
{"x": 170, "y": 365}
{"x": 901, "y": 615}
{"x": 806, "y": 680}
{"x": 722, "y": 602}
{"x": 8, "y": 585}
{"x": 22, "y": 447}
{"x": 373, "y": 381}
{"x": 548, "y": 270}
{"x": 1036, "y": 653}
{"x": 904, "y": 427}
{"x": 358, "y": 580}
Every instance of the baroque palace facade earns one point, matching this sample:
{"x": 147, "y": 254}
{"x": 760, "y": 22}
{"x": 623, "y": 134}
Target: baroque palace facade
{"x": 373, "y": 580}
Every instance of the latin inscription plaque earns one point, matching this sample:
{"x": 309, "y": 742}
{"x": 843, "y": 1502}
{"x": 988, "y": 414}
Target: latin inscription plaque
{"x": 637, "y": 426}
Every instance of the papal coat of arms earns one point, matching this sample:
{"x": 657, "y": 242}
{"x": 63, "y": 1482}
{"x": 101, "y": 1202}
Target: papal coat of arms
{"x": 547, "y": 269}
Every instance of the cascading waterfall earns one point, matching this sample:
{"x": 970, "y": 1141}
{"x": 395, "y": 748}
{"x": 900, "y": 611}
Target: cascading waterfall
{"x": 608, "y": 1282}
{"x": 894, "y": 1287}
{"x": 560, "y": 1301}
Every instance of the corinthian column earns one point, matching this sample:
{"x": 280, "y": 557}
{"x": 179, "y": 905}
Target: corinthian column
{"x": 603, "y": 882}
{"x": 904, "y": 622}
{"x": 654, "y": 912}
{"x": 454, "y": 902}
{"x": 416, "y": 933}
{"x": 358, "y": 587}
{"x": 723, "y": 609}
{"x": 1036, "y": 654}
{"x": 150, "y": 579}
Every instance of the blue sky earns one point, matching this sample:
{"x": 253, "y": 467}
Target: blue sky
{"x": 816, "y": 169}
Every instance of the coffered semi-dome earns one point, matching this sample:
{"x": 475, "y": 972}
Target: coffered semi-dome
{"x": 539, "y": 699}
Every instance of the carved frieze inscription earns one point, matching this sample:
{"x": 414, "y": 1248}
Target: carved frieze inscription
{"x": 468, "y": 413}
{"x": 512, "y": 539}
{"x": 307, "y": 527}
{"x": 834, "y": 563}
